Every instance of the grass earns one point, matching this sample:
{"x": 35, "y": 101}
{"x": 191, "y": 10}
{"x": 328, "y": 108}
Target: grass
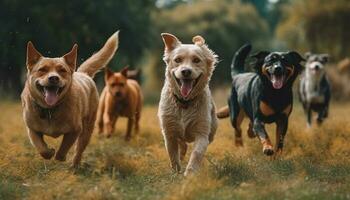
{"x": 315, "y": 164}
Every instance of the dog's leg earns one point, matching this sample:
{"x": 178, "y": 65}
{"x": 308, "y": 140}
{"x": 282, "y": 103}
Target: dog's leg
{"x": 67, "y": 143}
{"x": 82, "y": 141}
{"x": 172, "y": 146}
{"x": 281, "y": 130}
{"x": 38, "y": 141}
{"x": 238, "y": 129}
{"x": 250, "y": 131}
{"x": 108, "y": 123}
{"x": 309, "y": 117}
{"x": 200, "y": 146}
{"x": 183, "y": 149}
{"x": 259, "y": 129}
{"x": 137, "y": 121}
{"x": 131, "y": 122}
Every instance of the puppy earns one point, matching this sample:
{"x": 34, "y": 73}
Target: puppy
{"x": 314, "y": 88}
{"x": 120, "y": 97}
{"x": 57, "y": 100}
{"x": 264, "y": 97}
{"x": 186, "y": 108}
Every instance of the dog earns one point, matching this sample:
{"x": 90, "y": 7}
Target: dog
{"x": 58, "y": 101}
{"x": 264, "y": 97}
{"x": 120, "y": 97}
{"x": 314, "y": 87}
{"x": 186, "y": 108}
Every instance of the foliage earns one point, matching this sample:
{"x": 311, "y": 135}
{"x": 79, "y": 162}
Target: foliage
{"x": 318, "y": 26}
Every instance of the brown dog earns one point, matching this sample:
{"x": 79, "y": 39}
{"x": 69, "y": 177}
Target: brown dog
{"x": 120, "y": 97}
{"x": 57, "y": 100}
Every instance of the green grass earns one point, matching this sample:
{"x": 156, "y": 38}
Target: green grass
{"x": 314, "y": 165}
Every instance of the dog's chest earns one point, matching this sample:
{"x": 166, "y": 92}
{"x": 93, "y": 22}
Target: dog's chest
{"x": 49, "y": 123}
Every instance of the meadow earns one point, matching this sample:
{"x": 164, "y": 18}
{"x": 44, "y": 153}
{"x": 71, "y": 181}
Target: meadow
{"x": 315, "y": 164}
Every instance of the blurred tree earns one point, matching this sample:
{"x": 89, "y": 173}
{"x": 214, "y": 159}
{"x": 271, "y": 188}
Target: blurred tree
{"x": 319, "y": 26}
{"x": 54, "y": 26}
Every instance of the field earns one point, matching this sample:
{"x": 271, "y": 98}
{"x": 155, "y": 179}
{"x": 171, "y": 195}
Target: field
{"x": 315, "y": 164}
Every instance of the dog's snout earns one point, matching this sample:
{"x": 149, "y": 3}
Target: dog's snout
{"x": 118, "y": 94}
{"x": 186, "y": 73}
{"x": 317, "y": 67}
{"x": 278, "y": 70}
{"x": 53, "y": 79}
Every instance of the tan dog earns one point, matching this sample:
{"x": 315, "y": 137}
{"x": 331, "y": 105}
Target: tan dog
{"x": 120, "y": 97}
{"x": 186, "y": 109}
{"x": 57, "y": 100}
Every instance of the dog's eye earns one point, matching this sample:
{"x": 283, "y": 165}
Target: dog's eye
{"x": 178, "y": 60}
{"x": 62, "y": 70}
{"x": 121, "y": 84}
{"x": 196, "y": 60}
{"x": 43, "y": 70}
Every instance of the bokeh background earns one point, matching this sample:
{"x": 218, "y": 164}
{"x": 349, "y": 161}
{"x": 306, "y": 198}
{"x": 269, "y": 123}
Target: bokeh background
{"x": 319, "y": 26}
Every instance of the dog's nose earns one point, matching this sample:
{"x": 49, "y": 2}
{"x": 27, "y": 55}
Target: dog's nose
{"x": 54, "y": 79}
{"x": 118, "y": 94}
{"x": 317, "y": 67}
{"x": 278, "y": 70}
{"x": 186, "y": 73}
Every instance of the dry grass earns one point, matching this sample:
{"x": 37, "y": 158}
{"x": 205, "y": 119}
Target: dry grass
{"x": 315, "y": 164}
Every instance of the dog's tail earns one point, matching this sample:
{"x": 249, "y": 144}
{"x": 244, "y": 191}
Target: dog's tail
{"x": 100, "y": 59}
{"x": 237, "y": 65}
{"x": 223, "y": 112}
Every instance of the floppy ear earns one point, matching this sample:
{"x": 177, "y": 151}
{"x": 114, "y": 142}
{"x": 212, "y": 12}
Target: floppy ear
{"x": 124, "y": 71}
{"x": 295, "y": 58}
{"x": 170, "y": 41}
{"x": 307, "y": 55}
{"x": 324, "y": 57}
{"x": 260, "y": 57}
{"x": 198, "y": 40}
{"x": 108, "y": 73}
{"x": 71, "y": 57}
{"x": 33, "y": 56}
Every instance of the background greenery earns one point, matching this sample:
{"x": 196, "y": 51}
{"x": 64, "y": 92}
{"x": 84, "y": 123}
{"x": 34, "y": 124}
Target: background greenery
{"x": 54, "y": 26}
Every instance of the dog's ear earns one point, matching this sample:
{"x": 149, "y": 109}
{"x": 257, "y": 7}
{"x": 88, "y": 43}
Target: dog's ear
{"x": 124, "y": 71}
{"x": 307, "y": 55}
{"x": 295, "y": 58}
{"x": 108, "y": 73}
{"x": 33, "y": 56}
{"x": 324, "y": 57}
{"x": 260, "y": 55}
{"x": 170, "y": 41}
{"x": 71, "y": 57}
{"x": 198, "y": 40}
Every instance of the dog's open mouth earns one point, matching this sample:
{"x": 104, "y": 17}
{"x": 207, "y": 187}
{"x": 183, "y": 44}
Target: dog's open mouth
{"x": 187, "y": 85}
{"x": 51, "y": 93}
{"x": 277, "y": 81}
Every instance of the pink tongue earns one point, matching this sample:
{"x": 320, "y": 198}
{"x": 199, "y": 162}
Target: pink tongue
{"x": 51, "y": 97}
{"x": 277, "y": 82}
{"x": 186, "y": 87}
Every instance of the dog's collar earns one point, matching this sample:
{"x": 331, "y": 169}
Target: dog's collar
{"x": 183, "y": 103}
{"x": 44, "y": 113}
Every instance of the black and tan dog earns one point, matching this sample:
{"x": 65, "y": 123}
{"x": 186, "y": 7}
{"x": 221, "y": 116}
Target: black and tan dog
{"x": 264, "y": 97}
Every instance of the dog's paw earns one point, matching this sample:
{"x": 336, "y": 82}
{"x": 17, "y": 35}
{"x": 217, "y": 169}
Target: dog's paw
{"x": 189, "y": 172}
{"x": 60, "y": 157}
{"x": 238, "y": 142}
{"x": 127, "y": 138}
{"x": 268, "y": 151}
{"x": 48, "y": 154}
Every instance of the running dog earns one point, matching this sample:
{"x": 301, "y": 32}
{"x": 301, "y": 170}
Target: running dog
{"x": 264, "y": 97}
{"x": 58, "y": 101}
{"x": 314, "y": 88}
{"x": 186, "y": 108}
{"x": 120, "y": 97}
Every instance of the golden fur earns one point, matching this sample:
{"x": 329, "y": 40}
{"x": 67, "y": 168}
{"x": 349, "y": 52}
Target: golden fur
{"x": 187, "y": 115}
{"x": 120, "y": 97}
{"x": 57, "y": 100}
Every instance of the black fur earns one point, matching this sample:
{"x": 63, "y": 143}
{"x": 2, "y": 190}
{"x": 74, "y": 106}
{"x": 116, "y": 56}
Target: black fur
{"x": 250, "y": 89}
